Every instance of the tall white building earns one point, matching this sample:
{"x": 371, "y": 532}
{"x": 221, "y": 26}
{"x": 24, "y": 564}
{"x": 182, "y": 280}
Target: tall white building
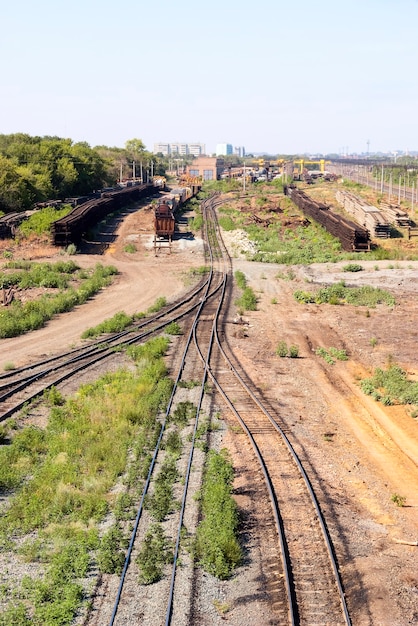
{"x": 182, "y": 149}
{"x": 222, "y": 149}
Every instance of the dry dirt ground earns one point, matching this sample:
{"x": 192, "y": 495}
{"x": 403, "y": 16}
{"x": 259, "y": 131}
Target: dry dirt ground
{"x": 358, "y": 452}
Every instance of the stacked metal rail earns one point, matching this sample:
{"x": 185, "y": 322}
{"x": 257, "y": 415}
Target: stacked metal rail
{"x": 395, "y": 214}
{"x": 69, "y": 229}
{"x": 365, "y": 214}
{"x": 9, "y": 223}
{"x": 351, "y": 235}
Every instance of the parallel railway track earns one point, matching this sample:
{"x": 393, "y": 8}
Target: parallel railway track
{"x": 307, "y": 586}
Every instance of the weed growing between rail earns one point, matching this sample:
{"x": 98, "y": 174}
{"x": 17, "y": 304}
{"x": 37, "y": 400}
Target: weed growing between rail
{"x": 20, "y": 317}
{"x": 60, "y": 482}
{"x": 216, "y": 546}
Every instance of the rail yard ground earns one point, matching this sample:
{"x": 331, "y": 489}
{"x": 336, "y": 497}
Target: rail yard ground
{"x": 358, "y": 452}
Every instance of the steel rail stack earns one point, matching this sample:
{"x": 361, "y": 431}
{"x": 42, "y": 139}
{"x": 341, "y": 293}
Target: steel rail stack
{"x": 365, "y": 214}
{"x": 72, "y": 227}
{"x": 352, "y": 236}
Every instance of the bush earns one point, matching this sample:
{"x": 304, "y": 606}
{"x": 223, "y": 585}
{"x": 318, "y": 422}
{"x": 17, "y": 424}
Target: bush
{"x": 247, "y": 301}
{"x": 282, "y": 349}
{"x": 216, "y": 545}
{"x": 352, "y": 267}
{"x": 155, "y": 552}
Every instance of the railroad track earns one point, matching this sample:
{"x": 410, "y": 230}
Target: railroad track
{"x": 308, "y": 589}
{"x": 305, "y": 579}
{"x": 20, "y": 386}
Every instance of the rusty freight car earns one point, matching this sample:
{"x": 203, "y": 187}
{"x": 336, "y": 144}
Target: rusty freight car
{"x": 164, "y": 225}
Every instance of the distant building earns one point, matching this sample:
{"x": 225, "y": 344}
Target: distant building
{"x": 181, "y": 149}
{"x": 206, "y": 168}
{"x": 223, "y": 149}
{"x": 239, "y": 151}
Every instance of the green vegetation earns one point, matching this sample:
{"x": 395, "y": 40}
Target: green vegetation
{"x": 248, "y": 300}
{"x": 161, "y": 502}
{"x": 199, "y": 271}
{"x": 159, "y": 304}
{"x": 62, "y": 481}
{"x": 40, "y": 222}
{"x": 240, "y": 279}
{"x": 36, "y": 169}
{"x": 115, "y": 324}
{"x": 173, "y": 329}
{"x": 391, "y": 386}
{"x": 398, "y": 500}
{"x": 352, "y": 267}
{"x": 130, "y": 248}
{"x": 340, "y": 294}
{"x": 283, "y": 350}
{"x": 196, "y": 222}
{"x": 331, "y": 355}
{"x": 29, "y": 274}
{"x": 216, "y": 546}
{"x": 20, "y": 318}
{"x": 155, "y": 552}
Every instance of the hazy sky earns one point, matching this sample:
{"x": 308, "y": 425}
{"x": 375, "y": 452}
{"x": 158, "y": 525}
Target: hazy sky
{"x": 274, "y": 76}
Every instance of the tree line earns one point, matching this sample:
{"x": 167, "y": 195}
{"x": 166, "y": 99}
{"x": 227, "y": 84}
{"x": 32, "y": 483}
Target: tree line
{"x": 37, "y": 169}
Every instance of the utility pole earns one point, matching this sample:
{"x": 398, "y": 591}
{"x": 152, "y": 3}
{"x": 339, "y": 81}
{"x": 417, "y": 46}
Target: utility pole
{"x": 133, "y": 170}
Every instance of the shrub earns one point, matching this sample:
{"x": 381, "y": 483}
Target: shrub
{"x": 398, "y": 500}
{"x": 352, "y": 267}
{"x": 293, "y": 352}
{"x": 173, "y": 329}
{"x": 282, "y": 349}
{"x": 155, "y": 552}
{"x": 240, "y": 279}
{"x": 216, "y": 545}
{"x": 247, "y": 301}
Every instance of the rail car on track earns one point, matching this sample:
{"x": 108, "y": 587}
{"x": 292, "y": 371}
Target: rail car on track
{"x": 69, "y": 229}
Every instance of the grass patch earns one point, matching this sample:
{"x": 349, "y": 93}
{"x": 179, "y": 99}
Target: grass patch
{"x": 40, "y": 222}
{"x": 155, "y": 552}
{"x": 216, "y": 545}
{"x": 340, "y": 294}
{"x": 331, "y": 355}
{"x": 115, "y": 324}
{"x": 20, "y": 318}
{"x": 130, "y": 248}
{"x": 61, "y": 482}
{"x": 391, "y": 386}
{"x": 159, "y": 304}
{"x": 352, "y": 267}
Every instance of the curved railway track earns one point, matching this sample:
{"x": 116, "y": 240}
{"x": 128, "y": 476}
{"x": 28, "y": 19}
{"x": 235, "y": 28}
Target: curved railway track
{"x": 307, "y": 588}
{"x": 20, "y": 386}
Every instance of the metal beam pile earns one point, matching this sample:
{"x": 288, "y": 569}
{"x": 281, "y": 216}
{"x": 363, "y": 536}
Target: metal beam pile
{"x": 395, "y": 215}
{"x": 351, "y": 235}
{"x": 71, "y": 228}
{"x": 365, "y": 214}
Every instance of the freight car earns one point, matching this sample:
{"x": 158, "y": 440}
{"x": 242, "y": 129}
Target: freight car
{"x": 164, "y": 225}
{"x": 72, "y": 227}
{"x": 352, "y": 236}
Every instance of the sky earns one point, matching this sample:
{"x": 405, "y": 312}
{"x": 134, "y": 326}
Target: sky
{"x": 274, "y": 77}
